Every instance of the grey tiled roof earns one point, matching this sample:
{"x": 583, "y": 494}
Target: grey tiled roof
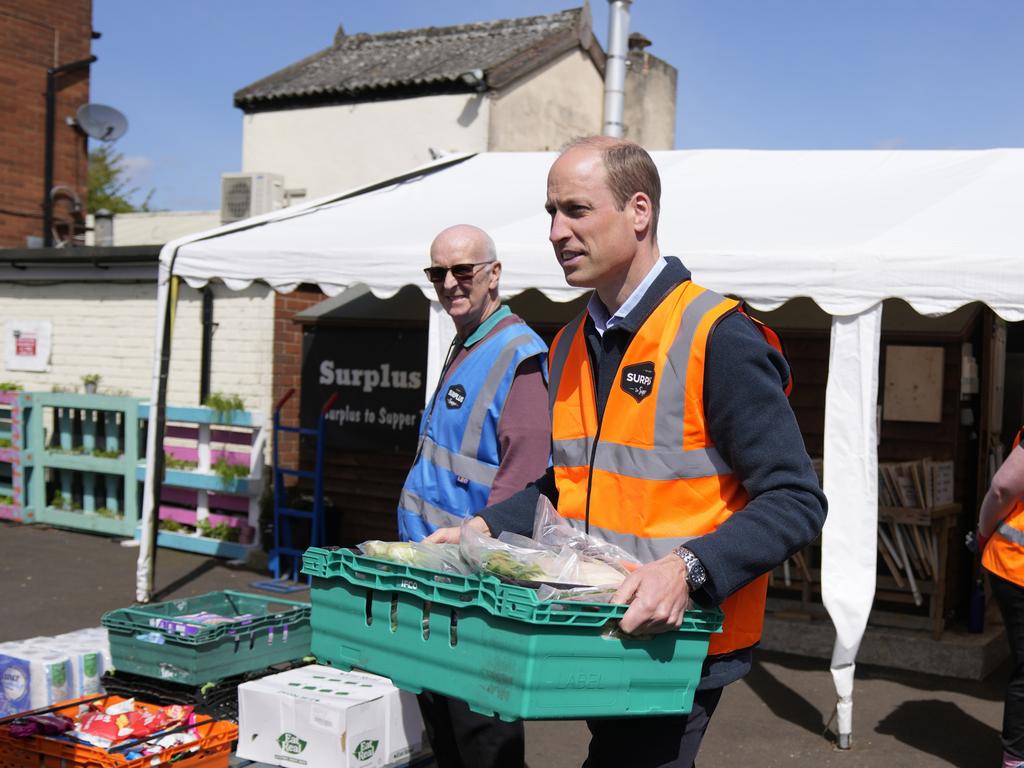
{"x": 424, "y": 60}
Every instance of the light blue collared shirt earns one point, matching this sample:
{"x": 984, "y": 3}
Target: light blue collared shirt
{"x": 599, "y": 312}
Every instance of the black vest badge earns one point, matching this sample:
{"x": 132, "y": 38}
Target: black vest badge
{"x": 637, "y": 380}
{"x": 455, "y": 396}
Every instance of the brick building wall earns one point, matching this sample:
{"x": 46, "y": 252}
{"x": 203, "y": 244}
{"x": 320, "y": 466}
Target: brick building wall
{"x": 34, "y": 37}
{"x": 287, "y": 370}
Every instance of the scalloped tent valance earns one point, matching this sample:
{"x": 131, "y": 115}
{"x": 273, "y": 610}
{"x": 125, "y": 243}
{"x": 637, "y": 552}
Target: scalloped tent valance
{"x": 848, "y": 229}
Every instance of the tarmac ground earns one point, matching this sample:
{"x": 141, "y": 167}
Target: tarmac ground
{"x": 57, "y": 581}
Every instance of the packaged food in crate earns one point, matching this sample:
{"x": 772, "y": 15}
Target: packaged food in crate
{"x": 111, "y": 732}
{"x": 203, "y": 639}
{"x": 497, "y": 646}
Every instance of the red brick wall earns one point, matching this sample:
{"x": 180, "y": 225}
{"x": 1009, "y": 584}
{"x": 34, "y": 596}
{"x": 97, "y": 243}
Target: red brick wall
{"x": 35, "y": 36}
{"x": 288, "y": 360}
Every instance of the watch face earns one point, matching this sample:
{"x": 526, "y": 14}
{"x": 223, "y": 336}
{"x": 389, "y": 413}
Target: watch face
{"x": 695, "y": 573}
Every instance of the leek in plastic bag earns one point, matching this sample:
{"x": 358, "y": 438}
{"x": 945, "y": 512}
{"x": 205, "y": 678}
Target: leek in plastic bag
{"x": 422, "y": 554}
{"x": 512, "y": 556}
{"x": 576, "y": 594}
{"x": 551, "y": 529}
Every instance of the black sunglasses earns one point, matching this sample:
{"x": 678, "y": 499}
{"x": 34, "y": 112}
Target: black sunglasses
{"x": 459, "y": 271}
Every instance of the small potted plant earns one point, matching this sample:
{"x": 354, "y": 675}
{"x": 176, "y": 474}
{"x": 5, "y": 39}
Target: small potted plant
{"x": 224, "y": 405}
{"x": 90, "y": 381}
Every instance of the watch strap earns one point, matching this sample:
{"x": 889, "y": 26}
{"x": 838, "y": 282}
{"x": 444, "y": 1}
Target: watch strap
{"x": 696, "y": 575}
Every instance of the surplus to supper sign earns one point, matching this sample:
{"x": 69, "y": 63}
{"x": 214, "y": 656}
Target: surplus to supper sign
{"x": 379, "y": 375}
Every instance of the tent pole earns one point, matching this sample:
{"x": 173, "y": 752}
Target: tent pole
{"x": 155, "y": 455}
{"x": 849, "y": 540}
{"x": 440, "y": 332}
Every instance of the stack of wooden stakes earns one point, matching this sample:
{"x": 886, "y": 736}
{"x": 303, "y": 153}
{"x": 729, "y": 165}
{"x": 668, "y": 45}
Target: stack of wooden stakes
{"x": 907, "y": 543}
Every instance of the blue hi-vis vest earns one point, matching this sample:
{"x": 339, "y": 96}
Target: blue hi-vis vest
{"x": 459, "y": 454}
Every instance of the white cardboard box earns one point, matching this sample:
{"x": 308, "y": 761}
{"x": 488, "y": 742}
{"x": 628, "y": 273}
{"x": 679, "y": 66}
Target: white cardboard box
{"x": 319, "y": 716}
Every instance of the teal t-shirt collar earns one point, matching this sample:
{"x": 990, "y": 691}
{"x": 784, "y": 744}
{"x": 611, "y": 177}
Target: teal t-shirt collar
{"x": 487, "y": 326}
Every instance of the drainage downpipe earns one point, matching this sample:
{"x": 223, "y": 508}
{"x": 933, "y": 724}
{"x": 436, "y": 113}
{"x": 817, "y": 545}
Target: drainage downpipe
{"x": 615, "y": 67}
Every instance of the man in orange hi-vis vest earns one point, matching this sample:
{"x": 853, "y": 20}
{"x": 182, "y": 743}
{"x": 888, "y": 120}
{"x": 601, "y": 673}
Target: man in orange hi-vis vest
{"x": 1001, "y": 542}
{"x": 672, "y": 436}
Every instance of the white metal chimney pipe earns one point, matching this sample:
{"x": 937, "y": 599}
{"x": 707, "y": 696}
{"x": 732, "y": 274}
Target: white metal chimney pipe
{"x": 615, "y": 67}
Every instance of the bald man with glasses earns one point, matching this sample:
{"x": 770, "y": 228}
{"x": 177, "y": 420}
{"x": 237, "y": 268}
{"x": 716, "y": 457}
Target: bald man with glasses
{"x": 484, "y": 435}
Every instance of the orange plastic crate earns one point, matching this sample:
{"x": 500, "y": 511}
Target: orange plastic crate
{"x": 211, "y": 751}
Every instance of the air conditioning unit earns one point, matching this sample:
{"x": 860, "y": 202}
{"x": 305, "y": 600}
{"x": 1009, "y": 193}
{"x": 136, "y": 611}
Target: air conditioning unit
{"x": 249, "y": 194}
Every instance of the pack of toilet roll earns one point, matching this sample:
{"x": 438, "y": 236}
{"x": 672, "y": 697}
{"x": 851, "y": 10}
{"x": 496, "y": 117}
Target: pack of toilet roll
{"x": 40, "y": 671}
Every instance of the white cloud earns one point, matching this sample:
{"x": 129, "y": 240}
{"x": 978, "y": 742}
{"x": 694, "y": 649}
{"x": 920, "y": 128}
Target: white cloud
{"x": 137, "y": 168}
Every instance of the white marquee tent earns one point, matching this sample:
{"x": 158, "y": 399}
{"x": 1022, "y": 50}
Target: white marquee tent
{"x": 938, "y": 229}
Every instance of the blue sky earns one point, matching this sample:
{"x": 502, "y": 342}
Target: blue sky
{"x": 770, "y": 74}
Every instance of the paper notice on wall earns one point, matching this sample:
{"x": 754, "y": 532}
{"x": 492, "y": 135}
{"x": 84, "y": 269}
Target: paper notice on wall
{"x": 942, "y": 482}
{"x": 27, "y": 345}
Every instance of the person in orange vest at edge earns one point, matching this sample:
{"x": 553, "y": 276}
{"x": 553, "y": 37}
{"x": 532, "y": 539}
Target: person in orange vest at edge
{"x": 1000, "y": 539}
{"x": 484, "y": 435}
{"x": 672, "y": 436}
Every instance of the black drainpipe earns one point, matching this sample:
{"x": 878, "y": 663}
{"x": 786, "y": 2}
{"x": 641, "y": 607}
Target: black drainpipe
{"x": 51, "y": 108}
{"x": 206, "y": 355}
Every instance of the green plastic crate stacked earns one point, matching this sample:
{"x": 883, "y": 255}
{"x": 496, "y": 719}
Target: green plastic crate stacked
{"x": 215, "y": 699}
{"x": 159, "y": 641}
{"x": 495, "y": 645}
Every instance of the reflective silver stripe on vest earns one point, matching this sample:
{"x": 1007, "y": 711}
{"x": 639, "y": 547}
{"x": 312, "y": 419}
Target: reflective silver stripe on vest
{"x": 463, "y": 466}
{"x": 670, "y": 412}
{"x": 559, "y": 355}
{"x": 644, "y": 549}
{"x": 435, "y": 516}
{"x": 659, "y": 463}
{"x": 475, "y": 426}
{"x": 571, "y": 453}
{"x": 644, "y": 463}
{"x": 1010, "y": 533}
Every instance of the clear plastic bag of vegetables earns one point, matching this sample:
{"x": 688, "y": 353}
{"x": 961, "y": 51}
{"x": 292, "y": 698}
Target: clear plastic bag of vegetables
{"x": 521, "y": 560}
{"x": 422, "y": 554}
{"x": 552, "y": 530}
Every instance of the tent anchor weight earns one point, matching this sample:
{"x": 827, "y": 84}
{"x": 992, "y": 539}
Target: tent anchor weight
{"x": 842, "y": 738}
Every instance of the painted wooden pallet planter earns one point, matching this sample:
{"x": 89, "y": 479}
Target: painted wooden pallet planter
{"x": 73, "y": 460}
{"x": 202, "y": 545}
{"x": 81, "y": 451}
{"x": 194, "y": 494}
{"x": 12, "y": 459}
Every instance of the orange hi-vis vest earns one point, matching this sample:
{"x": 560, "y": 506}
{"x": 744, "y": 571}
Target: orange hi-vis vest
{"x": 1004, "y": 554}
{"x": 646, "y": 476}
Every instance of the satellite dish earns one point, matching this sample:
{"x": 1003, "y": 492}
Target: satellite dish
{"x": 101, "y": 122}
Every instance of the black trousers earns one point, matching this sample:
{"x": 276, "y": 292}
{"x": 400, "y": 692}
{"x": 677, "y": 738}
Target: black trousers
{"x": 1010, "y": 598}
{"x": 461, "y": 738}
{"x": 652, "y": 742}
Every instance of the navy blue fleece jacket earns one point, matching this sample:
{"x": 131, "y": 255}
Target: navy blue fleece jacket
{"x": 753, "y": 427}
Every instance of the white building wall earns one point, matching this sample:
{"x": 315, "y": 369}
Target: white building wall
{"x": 108, "y": 329}
{"x": 545, "y": 110}
{"x": 154, "y": 227}
{"x": 324, "y": 150}
{"x": 159, "y": 227}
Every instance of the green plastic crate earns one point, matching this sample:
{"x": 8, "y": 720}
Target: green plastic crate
{"x": 503, "y": 652}
{"x": 437, "y": 586}
{"x": 154, "y": 641}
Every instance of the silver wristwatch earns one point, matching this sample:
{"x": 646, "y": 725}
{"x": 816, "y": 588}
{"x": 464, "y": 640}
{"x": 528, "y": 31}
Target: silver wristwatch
{"x": 695, "y": 573}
